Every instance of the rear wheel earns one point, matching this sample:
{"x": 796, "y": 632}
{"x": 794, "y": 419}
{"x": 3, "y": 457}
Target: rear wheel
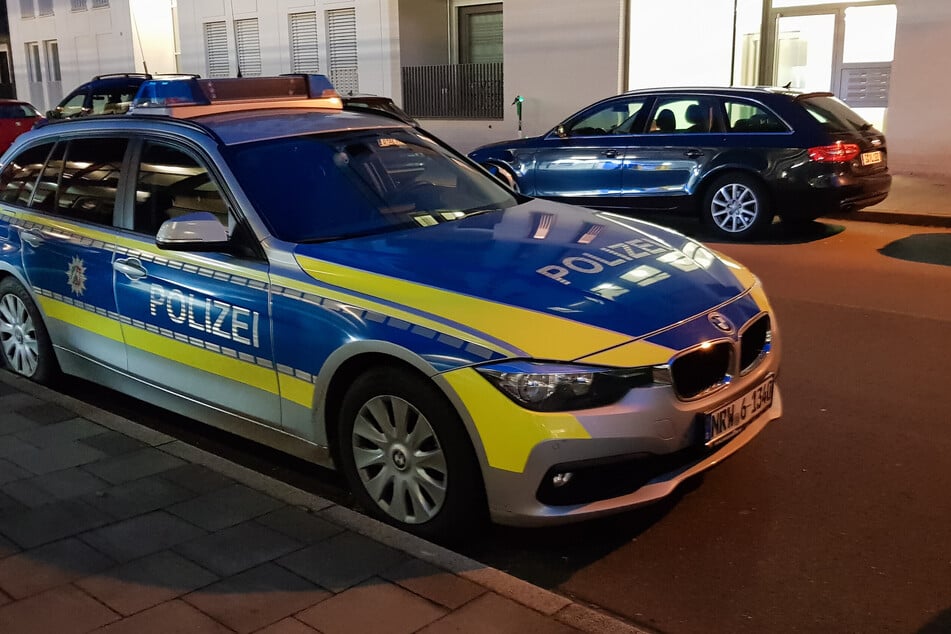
{"x": 407, "y": 456}
{"x": 736, "y": 207}
{"x": 24, "y": 340}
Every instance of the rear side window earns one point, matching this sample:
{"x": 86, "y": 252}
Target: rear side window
{"x": 745, "y": 116}
{"x": 18, "y": 179}
{"x": 834, "y": 115}
{"x": 16, "y": 111}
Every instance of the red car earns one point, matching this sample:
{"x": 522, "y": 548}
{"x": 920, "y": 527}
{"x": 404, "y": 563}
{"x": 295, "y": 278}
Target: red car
{"x": 16, "y": 117}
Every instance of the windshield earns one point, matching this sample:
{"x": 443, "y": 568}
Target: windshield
{"x": 332, "y": 186}
{"x": 834, "y": 115}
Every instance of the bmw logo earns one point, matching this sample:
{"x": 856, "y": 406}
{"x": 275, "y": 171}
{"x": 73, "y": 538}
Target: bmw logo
{"x": 720, "y": 322}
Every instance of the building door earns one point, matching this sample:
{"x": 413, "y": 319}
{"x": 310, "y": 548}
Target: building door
{"x": 846, "y": 50}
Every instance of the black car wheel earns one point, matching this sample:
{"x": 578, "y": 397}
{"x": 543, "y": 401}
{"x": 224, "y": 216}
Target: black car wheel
{"x": 736, "y": 207}
{"x": 407, "y": 457}
{"x": 24, "y": 341}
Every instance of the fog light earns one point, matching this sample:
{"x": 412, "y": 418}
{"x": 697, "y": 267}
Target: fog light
{"x": 561, "y": 479}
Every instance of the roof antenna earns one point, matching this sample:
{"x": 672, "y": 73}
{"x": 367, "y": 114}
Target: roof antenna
{"x": 788, "y": 84}
{"x": 234, "y": 29}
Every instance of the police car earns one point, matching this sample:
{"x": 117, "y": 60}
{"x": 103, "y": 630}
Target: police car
{"x": 346, "y": 288}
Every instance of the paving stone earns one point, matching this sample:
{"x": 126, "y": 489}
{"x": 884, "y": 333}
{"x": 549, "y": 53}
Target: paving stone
{"x": 18, "y": 401}
{"x": 32, "y": 527}
{"x": 256, "y": 597}
{"x": 44, "y": 412}
{"x": 112, "y": 443}
{"x": 61, "y": 432}
{"x": 434, "y": 583}
{"x": 9, "y": 504}
{"x": 10, "y": 472}
{"x": 59, "y": 485}
{"x": 146, "y": 582}
{"x": 63, "y": 610}
{"x": 288, "y": 626}
{"x": 295, "y": 522}
{"x": 135, "y": 465}
{"x": 237, "y": 548}
{"x": 34, "y": 571}
{"x": 198, "y": 478}
{"x": 7, "y": 547}
{"x": 53, "y": 458}
{"x": 496, "y": 615}
{"x": 12, "y": 422}
{"x": 172, "y": 617}
{"x": 137, "y": 497}
{"x": 342, "y": 561}
{"x": 6, "y": 389}
{"x": 374, "y": 607}
{"x": 225, "y": 507}
{"x": 140, "y": 536}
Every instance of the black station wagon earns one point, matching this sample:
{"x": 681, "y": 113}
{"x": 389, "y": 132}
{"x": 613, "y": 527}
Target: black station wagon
{"x": 737, "y": 157}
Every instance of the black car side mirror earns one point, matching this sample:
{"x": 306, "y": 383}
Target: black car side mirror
{"x": 560, "y": 131}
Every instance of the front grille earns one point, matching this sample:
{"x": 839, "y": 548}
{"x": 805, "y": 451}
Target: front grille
{"x": 701, "y": 369}
{"x": 754, "y": 343}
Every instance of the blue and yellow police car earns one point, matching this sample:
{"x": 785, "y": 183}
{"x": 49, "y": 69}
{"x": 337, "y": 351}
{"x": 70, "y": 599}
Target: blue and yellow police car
{"x": 346, "y": 288}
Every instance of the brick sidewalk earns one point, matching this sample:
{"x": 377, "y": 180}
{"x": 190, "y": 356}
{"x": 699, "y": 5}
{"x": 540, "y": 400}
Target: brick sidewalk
{"x": 108, "y": 526}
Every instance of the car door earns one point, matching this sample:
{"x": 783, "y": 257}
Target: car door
{"x": 581, "y": 160}
{"x": 66, "y": 228}
{"x": 15, "y": 119}
{"x": 195, "y": 323}
{"x": 664, "y": 164}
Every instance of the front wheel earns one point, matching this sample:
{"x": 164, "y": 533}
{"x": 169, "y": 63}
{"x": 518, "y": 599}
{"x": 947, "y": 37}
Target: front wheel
{"x": 407, "y": 456}
{"x": 736, "y": 207}
{"x": 24, "y": 341}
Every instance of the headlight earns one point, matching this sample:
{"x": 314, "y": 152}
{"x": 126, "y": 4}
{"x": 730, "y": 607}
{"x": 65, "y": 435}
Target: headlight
{"x": 547, "y": 387}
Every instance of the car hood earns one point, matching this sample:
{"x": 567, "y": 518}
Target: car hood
{"x": 493, "y": 149}
{"x": 539, "y": 265}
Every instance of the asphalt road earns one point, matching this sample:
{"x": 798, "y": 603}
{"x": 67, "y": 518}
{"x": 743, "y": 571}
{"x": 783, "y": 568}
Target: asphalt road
{"x": 837, "y": 518}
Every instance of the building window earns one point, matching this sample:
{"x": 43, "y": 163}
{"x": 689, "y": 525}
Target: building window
{"x": 99, "y": 3}
{"x": 480, "y": 33}
{"x": 44, "y": 7}
{"x": 303, "y": 30}
{"x": 34, "y": 69}
{"x": 78, "y": 5}
{"x": 27, "y": 10}
{"x": 249, "y": 47}
{"x": 342, "y": 47}
{"x": 216, "y": 49}
{"x": 52, "y": 60}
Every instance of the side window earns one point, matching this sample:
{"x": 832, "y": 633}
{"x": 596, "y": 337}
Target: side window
{"x": 18, "y": 179}
{"x": 617, "y": 117}
{"x": 744, "y": 116}
{"x": 170, "y": 183}
{"x": 89, "y": 179}
{"x": 114, "y": 102}
{"x": 685, "y": 115}
{"x": 72, "y": 106}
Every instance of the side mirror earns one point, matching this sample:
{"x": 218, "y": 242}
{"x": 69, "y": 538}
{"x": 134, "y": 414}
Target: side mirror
{"x": 560, "y": 131}
{"x": 198, "y": 231}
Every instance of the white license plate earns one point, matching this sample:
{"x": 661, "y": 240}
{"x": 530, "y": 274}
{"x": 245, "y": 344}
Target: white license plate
{"x": 732, "y": 417}
{"x": 872, "y": 158}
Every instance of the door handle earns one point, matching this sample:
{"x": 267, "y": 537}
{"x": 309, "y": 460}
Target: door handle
{"x": 32, "y": 239}
{"x": 130, "y": 267}
{"x": 693, "y": 153}
{"x": 609, "y": 153}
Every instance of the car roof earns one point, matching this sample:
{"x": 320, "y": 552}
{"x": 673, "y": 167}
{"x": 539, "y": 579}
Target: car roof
{"x": 720, "y": 90}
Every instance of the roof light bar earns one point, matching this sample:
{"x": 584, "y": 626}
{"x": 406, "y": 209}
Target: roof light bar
{"x": 189, "y": 96}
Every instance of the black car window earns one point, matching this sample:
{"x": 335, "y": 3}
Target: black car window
{"x": 115, "y": 101}
{"x": 85, "y": 181}
{"x": 621, "y": 116}
{"x": 170, "y": 182}
{"x": 324, "y": 187}
{"x": 690, "y": 115}
{"x": 72, "y": 106}
{"x": 18, "y": 179}
{"x": 834, "y": 115}
{"x": 16, "y": 111}
{"x": 746, "y": 116}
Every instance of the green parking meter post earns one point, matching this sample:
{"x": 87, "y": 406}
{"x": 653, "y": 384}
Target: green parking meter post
{"x": 518, "y": 111}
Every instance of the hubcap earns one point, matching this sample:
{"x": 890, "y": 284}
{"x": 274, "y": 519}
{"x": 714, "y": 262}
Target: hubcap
{"x": 734, "y": 208}
{"x": 399, "y": 459}
{"x": 18, "y": 336}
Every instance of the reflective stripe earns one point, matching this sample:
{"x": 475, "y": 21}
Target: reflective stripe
{"x": 508, "y": 432}
{"x": 79, "y": 317}
{"x": 296, "y": 390}
{"x": 538, "y": 334}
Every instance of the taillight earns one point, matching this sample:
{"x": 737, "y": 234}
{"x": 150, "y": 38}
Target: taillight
{"x": 838, "y": 152}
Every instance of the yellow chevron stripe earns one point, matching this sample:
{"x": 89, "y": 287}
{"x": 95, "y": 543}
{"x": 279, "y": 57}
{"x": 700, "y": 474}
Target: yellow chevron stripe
{"x": 81, "y": 318}
{"x": 296, "y": 390}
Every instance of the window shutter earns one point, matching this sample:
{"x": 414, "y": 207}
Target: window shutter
{"x": 216, "y": 49}
{"x": 342, "y": 44}
{"x": 304, "y": 58}
{"x": 249, "y": 47}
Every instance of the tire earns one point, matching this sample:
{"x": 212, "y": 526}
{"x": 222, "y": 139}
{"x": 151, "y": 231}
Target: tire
{"x": 736, "y": 207}
{"x": 24, "y": 341}
{"x": 407, "y": 456}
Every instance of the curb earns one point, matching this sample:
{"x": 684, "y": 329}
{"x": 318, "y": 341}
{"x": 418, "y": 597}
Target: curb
{"x": 549, "y": 604}
{"x": 897, "y": 218}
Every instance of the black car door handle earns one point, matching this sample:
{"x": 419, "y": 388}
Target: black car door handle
{"x": 609, "y": 153}
{"x": 693, "y": 153}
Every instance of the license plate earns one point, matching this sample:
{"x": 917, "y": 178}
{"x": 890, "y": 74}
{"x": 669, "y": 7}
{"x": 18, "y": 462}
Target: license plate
{"x": 872, "y": 158}
{"x": 732, "y": 417}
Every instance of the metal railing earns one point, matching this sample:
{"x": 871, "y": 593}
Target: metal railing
{"x": 454, "y": 91}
